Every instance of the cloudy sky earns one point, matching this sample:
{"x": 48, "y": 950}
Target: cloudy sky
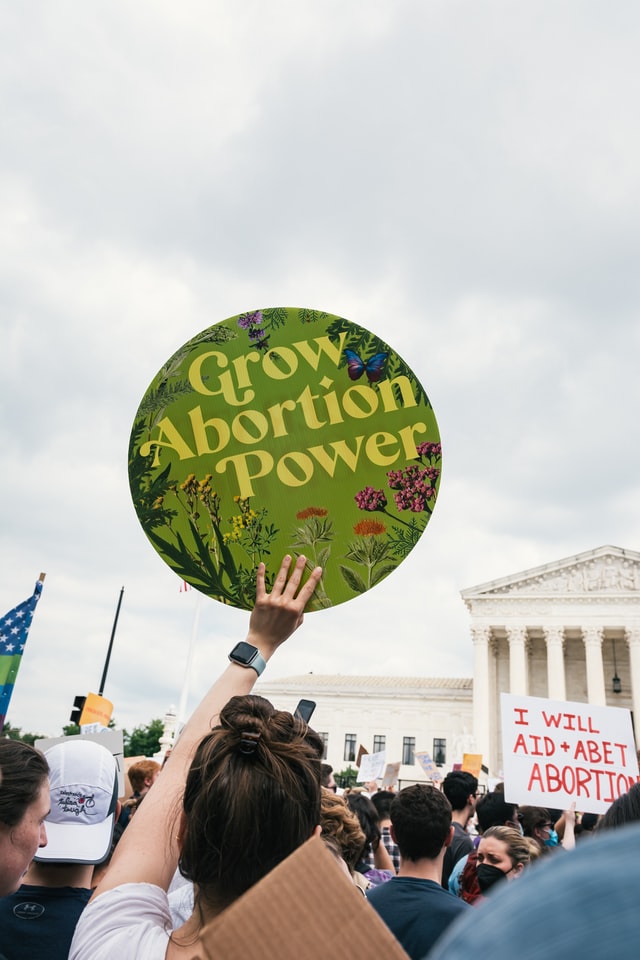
{"x": 460, "y": 177}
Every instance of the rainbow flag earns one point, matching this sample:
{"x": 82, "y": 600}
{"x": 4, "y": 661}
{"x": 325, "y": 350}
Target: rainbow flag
{"x": 14, "y": 629}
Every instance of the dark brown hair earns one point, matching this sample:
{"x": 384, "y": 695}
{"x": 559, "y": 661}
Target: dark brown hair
{"x": 533, "y": 817}
{"x": 624, "y": 809}
{"x": 421, "y": 820}
{"x": 367, "y": 814}
{"x": 24, "y": 769}
{"x": 252, "y": 797}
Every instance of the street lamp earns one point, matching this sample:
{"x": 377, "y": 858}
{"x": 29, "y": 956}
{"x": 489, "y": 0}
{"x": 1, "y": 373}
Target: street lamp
{"x": 617, "y": 683}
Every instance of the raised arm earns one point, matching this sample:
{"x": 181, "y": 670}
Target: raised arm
{"x": 148, "y": 851}
{"x": 568, "y": 835}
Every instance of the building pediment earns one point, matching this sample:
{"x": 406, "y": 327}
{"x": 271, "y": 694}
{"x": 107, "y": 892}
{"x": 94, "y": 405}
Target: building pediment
{"x": 607, "y": 571}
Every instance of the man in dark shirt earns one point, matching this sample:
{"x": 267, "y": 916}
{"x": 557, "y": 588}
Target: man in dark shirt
{"x": 38, "y": 921}
{"x": 413, "y": 905}
{"x": 461, "y": 790}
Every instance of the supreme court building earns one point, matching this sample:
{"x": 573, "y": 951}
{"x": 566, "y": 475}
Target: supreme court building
{"x": 568, "y": 630}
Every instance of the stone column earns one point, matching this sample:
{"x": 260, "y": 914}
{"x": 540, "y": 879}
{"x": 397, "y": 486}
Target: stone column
{"x": 633, "y": 638}
{"x": 481, "y": 691}
{"x": 595, "y": 669}
{"x": 168, "y": 734}
{"x": 518, "y": 660}
{"x": 556, "y": 689}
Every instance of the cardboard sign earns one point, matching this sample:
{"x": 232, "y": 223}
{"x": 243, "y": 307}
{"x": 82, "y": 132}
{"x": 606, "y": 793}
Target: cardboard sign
{"x": 472, "y": 763}
{"x": 307, "y": 908}
{"x": 390, "y": 777}
{"x": 280, "y": 431}
{"x": 96, "y": 709}
{"x": 371, "y": 766}
{"x": 556, "y": 752}
{"x": 429, "y": 767}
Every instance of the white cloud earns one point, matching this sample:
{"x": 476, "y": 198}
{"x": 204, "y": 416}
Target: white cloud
{"x": 459, "y": 178}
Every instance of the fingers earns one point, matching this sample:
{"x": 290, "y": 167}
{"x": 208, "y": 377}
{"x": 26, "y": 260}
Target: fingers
{"x": 307, "y": 590}
{"x": 260, "y": 590}
{"x": 295, "y": 577}
{"x": 288, "y": 588}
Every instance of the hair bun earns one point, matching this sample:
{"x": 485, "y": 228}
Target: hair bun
{"x": 248, "y": 742}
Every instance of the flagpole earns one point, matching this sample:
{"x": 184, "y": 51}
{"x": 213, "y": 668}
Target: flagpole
{"x": 113, "y": 633}
{"x": 182, "y": 709}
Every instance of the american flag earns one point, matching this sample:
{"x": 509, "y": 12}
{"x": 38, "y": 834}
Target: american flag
{"x": 14, "y": 629}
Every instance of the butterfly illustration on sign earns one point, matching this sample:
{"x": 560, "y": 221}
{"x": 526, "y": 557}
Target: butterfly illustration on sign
{"x": 373, "y": 367}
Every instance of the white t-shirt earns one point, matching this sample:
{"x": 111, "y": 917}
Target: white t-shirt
{"x": 181, "y": 904}
{"x": 130, "y": 922}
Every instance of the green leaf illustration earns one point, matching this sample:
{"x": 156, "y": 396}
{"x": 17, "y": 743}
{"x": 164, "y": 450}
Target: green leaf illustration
{"x": 352, "y": 580}
{"x": 381, "y": 573}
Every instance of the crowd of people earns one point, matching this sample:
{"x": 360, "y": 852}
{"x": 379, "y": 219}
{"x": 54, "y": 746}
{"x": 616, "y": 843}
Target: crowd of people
{"x": 84, "y": 877}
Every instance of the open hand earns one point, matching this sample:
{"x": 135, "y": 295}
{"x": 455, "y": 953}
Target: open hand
{"x": 278, "y": 614}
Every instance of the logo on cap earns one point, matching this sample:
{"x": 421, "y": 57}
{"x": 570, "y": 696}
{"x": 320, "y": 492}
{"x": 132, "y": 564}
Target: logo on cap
{"x": 75, "y": 802}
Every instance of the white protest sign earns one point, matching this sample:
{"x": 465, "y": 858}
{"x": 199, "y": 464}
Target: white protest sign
{"x": 428, "y": 765}
{"x": 371, "y": 766}
{"x": 92, "y": 727}
{"x": 556, "y": 752}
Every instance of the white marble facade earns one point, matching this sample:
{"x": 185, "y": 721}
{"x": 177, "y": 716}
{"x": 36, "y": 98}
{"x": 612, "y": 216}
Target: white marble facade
{"x": 395, "y": 710}
{"x": 563, "y": 630}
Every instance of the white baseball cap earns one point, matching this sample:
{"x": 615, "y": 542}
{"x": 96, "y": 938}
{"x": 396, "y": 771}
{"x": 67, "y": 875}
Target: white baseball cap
{"x": 84, "y": 792}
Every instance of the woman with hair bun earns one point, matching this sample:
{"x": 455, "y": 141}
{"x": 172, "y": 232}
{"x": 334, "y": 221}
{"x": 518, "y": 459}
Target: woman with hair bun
{"x": 240, "y": 793}
{"x": 252, "y": 797}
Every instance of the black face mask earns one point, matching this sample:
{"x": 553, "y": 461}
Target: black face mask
{"x": 488, "y": 875}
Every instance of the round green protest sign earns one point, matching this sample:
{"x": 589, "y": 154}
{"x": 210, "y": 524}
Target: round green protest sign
{"x": 284, "y": 430}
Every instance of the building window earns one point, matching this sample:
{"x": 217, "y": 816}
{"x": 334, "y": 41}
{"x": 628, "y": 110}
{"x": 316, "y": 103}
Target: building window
{"x": 408, "y": 750}
{"x": 325, "y": 744}
{"x": 439, "y": 751}
{"x": 350, "y": 746}
{"x": 379, "y": 743}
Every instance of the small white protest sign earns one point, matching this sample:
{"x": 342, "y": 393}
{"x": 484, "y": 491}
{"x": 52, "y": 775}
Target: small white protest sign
{"x": 372, "y": 766}
{"x": 428, "y": 765}
{"x": 390, "y": 778}
{"x": 556, "y": 752}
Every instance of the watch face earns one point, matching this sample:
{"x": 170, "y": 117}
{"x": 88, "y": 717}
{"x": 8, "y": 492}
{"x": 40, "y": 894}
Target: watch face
{"x": 243, "y": 652}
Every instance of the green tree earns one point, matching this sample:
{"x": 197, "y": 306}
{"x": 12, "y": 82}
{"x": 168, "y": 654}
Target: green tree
{"x": 15, "y": 733}
{"x": 143, "y": 741}
{"x": 347, "y": 777}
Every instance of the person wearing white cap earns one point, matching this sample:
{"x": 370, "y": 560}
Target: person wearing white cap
{"x": 38, "y": 920}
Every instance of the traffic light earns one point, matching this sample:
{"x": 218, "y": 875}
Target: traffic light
{"x": 78, "y": 706}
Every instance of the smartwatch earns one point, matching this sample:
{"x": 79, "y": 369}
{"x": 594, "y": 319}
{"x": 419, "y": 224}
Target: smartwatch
{"x": 246, "y": 655}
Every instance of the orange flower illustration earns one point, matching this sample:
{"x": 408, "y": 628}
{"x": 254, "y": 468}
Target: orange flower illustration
{"x": 369, "y": 528}
{"x": 311, "y": 512}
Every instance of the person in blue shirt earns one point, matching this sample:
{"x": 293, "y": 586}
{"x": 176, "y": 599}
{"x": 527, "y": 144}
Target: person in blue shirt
{"x": 414, "y": 905}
